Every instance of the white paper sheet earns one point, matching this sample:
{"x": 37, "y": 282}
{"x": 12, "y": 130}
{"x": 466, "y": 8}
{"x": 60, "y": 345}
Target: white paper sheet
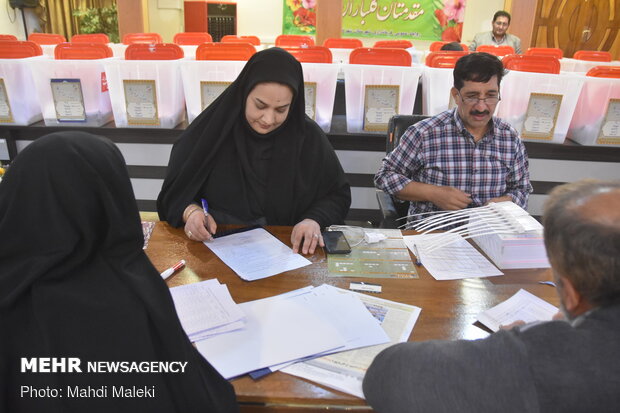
{"x": 204, "y": 306}
{"x": 522, "y": 306}
{"x": 454, "y": 261}
{"x": 256, "y": 254}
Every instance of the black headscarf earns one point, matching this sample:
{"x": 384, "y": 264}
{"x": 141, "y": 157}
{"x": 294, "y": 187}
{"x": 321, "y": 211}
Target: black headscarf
{"x": 75, "y": 282}
{"x": 304, "y": 177}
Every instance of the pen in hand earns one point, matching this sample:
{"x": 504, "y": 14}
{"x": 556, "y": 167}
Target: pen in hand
{"x": 205, "y": 209}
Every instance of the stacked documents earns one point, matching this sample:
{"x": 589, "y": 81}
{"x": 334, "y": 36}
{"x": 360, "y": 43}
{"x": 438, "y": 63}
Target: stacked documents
{"x": 206, "y": 309}
{"x": 523, "y": 306}
{"x": 289, "y": 327}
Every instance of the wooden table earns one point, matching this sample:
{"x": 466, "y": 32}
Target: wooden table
{"x": 449, "y": 309}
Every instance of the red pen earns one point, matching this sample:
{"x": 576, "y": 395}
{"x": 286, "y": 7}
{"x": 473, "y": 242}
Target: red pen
{"x": 167, "y": 273}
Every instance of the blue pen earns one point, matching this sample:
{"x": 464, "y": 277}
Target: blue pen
{"x": 417, "y": 255}
{"x": 205, "y": 207}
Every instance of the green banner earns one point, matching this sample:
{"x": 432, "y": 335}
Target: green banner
{"x": 413, "y": 20}
{"x": 299, "y": 17}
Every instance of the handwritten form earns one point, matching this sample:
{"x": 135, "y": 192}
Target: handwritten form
{"x": 521, "y": 306}
{"x": 255, "y": 254}
{"x": 456, "y": 260}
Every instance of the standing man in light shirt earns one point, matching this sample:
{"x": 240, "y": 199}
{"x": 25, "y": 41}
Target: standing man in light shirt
{"x": 498, "y": 36}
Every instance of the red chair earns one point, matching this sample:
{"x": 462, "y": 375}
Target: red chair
{"x": 498, "y": 51}
{"x": 157, "y": 51}
{"x": 46, "y": 38}
{"x": 231, "y": 38}
{"x": 149, "y": 38}
{"x": 445, "y": 59}
{"x": 537, "y": 64}
{"x": 90, "y": 38}
{"x": 225, "y": 51}
{"x": 312, "y": 54}
{"x": 293, "y": 40}
{"x": 545, "y": 51}
{"x": 393, "y": 44}
{"x": 379, "y": 56}
{"x": 82, "y": 51}
{"x": 592, "y": 55}
{"x": 192, "y": 38}
{"x": 342, "y": 43}
{"x": 7, "y": 37}
{"x": 436, "y": 46}
{"x": 610, "y": 72}
{"x": 14, "y": 49}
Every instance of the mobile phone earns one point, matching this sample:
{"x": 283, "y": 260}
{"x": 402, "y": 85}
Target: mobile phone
{"x": 336, "y": 242}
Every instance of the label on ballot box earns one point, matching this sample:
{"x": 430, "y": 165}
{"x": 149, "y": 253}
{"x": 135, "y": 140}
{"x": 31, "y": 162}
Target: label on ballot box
{"x": 141, "y": 102}
{"x": 6, "y": 116}
{"x": 380, "y": 104}
{"x": 310, "y": 97}
{"x": 541, "y": 116}
{"x": 610, "y": 128}
{"x": 68, "y": 100}
{"x": 209, "y": 91}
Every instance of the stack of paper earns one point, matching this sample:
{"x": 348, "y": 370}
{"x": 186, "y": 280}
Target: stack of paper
{"x": 292, "y": 326}
{"x": 206, "y": 309}
{"x": 523, "y": 306}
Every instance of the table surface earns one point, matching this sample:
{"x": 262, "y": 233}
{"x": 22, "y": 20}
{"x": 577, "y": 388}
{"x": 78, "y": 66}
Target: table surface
{"x": 449, "y": 308}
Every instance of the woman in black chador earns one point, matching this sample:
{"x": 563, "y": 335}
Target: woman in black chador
{"x": 256, "y": 158}
{"x": 75, "y": 283}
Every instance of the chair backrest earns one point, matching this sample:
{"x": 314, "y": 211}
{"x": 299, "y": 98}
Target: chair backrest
{"x": 225, "y": 51}
{"x": 611, "y": 72}
{"x": 136, "y": 38}
{"x": 46, "y": 38}
{"x": 14, "y": 49}
{"x": 312, "y": 54}
{"x": 82, "y": 51}
{"x": 535, "y": 63}
{"x": 393, "y": 44}
{"x": 157, "y": 51}
{"x": 496, "y": 50}
{"x": 436, "y": 46}
{"x": 545, "y": 51}
{"x": 294, "y": 40}
{"x": 342, "y": 43}
{"x": 374, "y": 56}
{"x": 7, "y": 37}
{"x": 397, "y": 125}
{"x": 231, "y": 38}
{"x": 90, "y": 38}
{"x": 192, "y": 38}
{"x": 445, "y": 59}
{"x": 592, "y": 55}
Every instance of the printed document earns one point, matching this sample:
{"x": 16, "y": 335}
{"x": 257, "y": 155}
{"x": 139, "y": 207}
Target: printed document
{"x": 255, "y": 254}
{"x": 523, "y": 306}
{"x": 455, "y": 260}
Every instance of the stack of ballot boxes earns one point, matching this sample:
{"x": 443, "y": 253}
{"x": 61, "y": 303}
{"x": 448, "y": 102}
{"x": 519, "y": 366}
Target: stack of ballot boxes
{"x": 437, "y": 81}
{"x": 146, "y": 90}
{"x": 521, "y": 247}
{"x": 72, "y": 89}
{"x": 379, "y": 83}
{"x": 597, "y": 116}
{"x": 539, "y": 106}
{"x": 215, "y": 67}
{"x": 19, "y": 103}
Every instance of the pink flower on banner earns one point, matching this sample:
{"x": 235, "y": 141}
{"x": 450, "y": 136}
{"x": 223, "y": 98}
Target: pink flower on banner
{"x": 454, "y": 10}
{"x": 308, "y": 4}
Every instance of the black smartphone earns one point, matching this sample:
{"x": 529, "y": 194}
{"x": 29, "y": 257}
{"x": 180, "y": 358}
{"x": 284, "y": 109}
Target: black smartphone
{"x": 335, "y": 242}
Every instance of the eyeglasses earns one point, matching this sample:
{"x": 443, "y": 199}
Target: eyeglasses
{"x": 490, "y": 100}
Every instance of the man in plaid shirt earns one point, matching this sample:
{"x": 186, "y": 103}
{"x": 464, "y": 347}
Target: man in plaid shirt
{"x": 463, "y": 157}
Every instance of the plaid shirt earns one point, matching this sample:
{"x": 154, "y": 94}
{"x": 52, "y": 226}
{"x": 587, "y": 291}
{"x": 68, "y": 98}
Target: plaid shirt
{"x": 440, "y": 151}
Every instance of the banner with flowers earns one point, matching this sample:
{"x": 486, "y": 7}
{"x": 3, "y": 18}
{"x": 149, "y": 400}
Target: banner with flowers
{"x": 411, "y": 20}
{"x": 299, "y": 17}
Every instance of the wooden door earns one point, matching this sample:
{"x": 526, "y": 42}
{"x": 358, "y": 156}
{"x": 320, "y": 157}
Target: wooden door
{"x": 573, "y": 25}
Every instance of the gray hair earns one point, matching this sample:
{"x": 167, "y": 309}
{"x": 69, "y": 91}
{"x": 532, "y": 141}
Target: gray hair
{"x": 584, "y": 248}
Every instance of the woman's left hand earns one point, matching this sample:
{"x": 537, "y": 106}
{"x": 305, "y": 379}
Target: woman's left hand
{"x": 307, "y": 231}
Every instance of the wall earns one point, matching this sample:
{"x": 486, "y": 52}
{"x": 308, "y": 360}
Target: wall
{"x": 260, "y": 18}
{"x": 11, "y": 21}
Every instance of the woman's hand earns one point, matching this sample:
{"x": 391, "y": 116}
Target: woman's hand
{"x": 307, "y": 232}
{"x": 199, "y": 227}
